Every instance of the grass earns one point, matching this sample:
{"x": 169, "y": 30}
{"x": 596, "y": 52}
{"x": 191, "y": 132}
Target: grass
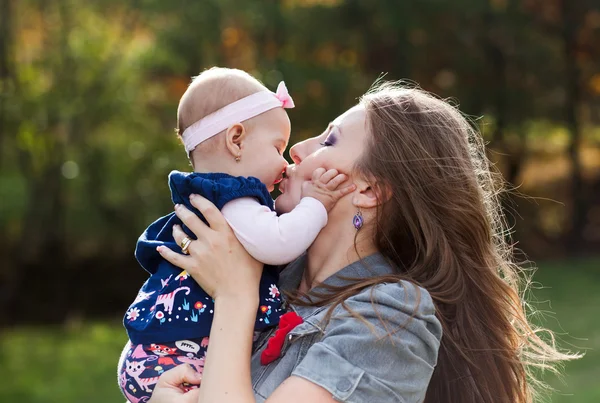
{"x": 52, "y": 365}
{"x": 570, "y": 303}
{"x": 77, "y": 363}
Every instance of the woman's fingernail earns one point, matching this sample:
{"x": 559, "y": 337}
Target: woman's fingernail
{"x": 176, "y": 206}
{"x": 159, "y": 249}
{"x": 193, "y": 196}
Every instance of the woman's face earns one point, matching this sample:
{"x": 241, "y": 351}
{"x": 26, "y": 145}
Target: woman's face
{"x": 338, "y": 147}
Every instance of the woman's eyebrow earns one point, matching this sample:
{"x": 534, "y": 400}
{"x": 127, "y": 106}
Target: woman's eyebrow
{"x": 334, "y": 126}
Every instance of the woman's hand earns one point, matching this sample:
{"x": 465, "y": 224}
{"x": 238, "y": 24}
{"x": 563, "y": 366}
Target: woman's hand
{"x": 169, "y": 389}
{"x": 217, "y": 260}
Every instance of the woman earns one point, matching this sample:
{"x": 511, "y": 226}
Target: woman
{"x": 430, "y": 259}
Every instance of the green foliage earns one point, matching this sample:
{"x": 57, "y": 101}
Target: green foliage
{"x": 90, "y": 90}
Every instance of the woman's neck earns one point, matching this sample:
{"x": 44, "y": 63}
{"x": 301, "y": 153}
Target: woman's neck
{"x": 333, "y": 250}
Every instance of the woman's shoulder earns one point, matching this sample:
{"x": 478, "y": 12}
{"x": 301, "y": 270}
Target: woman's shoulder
{"x": 402, "y": 296}
{"x": 379, "y": 345}
{"x": 389, "y": 307}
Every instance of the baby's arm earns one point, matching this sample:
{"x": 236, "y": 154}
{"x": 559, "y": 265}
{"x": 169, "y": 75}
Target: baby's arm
{"x": 277, "y": 240}
{"x": 271, "y": 239}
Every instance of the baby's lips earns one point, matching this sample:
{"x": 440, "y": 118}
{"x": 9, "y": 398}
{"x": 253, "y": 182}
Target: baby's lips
{"x": 281, "y": 176}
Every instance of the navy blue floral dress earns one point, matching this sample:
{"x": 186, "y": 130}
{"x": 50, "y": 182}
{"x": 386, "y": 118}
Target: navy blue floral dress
{"x": 169, "y": 321}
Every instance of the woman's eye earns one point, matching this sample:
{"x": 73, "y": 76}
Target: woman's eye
{"x": 329, "y": 141}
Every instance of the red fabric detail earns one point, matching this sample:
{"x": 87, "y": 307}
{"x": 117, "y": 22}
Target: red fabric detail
{"x": 287, "y": 322}
{"x": 166, "y": 361}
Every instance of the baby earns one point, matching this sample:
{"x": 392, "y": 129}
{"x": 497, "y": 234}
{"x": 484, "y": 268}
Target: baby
{"x": 235, "y": 132}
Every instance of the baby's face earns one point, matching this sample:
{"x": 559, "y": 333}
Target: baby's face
{"x": 262, "y": 151}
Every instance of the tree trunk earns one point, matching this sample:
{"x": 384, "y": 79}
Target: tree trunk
{"x": 512, "y": 157}
{"x": 5, "y": 70}
{"x": 579, "y": 203}
{"x": 9, "y": 285}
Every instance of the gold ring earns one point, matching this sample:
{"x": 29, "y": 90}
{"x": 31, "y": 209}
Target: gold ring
{"x": 185, "y": 244}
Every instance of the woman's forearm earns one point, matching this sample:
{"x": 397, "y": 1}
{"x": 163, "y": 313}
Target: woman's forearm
{"x": 226, "y": 377}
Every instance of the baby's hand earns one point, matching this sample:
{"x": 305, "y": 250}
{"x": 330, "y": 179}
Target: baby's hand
{"x": 325, "y": 187}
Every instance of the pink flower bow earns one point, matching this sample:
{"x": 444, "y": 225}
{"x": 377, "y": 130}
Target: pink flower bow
{"x": 283, "y": 95}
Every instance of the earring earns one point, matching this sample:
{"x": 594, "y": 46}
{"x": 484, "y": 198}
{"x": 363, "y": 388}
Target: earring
{"x": 358, "y": 221}
{"x": 238, "y": 158}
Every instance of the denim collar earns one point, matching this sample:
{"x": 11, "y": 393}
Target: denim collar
{"x": 370, "y": 266}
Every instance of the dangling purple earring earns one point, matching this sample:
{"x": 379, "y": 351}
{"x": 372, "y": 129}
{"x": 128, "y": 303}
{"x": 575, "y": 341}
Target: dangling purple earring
{"x": 358, "y": 220}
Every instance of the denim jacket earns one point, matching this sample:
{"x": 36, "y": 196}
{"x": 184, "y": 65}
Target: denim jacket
{"x": 352, "y": 361}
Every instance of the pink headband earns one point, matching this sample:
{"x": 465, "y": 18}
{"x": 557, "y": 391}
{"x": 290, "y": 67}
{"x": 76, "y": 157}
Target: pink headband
{"x": 236, "y": 112}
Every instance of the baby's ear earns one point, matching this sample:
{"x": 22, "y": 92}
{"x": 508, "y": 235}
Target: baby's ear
{"x": 234, "y": 138}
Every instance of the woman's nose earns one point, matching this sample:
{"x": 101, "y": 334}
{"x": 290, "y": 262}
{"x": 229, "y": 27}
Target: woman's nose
{"x": 297, "y": 152}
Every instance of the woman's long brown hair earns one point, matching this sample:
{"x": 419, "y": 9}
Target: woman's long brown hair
{"x": 443, "y": 228}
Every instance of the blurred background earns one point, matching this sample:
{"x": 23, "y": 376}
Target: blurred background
{"x": 88, "y": 97}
